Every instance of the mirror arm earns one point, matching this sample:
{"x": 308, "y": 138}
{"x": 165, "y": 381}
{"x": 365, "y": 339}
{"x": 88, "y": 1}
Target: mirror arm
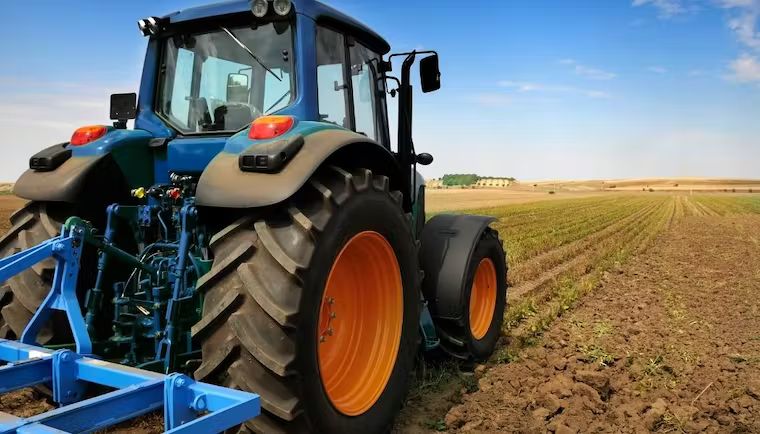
{"x": 415, "y": 52}
{"x": 405, "y": 147}
{"x": 406, "y": 158}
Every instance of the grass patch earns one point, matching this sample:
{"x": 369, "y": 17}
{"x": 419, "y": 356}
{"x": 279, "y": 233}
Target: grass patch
{"x": 517, "y": 313}
{"x": 434, "y": 378}
{"x": 597, "y": 354}
{"x": 654, "y": 366}
{"x": 602, "y": 329}
{"x": 436, "y": 425}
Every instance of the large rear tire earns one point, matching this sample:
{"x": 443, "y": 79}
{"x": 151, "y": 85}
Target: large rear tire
{"x": 22, "y": 294}
{"x": 315, "y": 306}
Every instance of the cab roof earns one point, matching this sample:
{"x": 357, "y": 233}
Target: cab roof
{"x": 313, "y": 9}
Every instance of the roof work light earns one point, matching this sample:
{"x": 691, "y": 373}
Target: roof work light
{"x": 149, "y": 26}
{"x": 259, "y": 8}
{"x": 282, "y": 7}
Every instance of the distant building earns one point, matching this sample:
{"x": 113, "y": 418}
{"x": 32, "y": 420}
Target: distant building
{"x": 493, "y": 183}
{"x": 482, "y": 183}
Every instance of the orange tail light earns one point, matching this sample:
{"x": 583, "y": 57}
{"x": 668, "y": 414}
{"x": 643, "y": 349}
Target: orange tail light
{"x": 88, "y": 134}
{"x": 269, "y": 127}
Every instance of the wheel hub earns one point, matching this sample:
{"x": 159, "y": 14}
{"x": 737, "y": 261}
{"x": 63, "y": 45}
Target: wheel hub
{"x": 360, "y": 323}
{"x": 483, "y": 298}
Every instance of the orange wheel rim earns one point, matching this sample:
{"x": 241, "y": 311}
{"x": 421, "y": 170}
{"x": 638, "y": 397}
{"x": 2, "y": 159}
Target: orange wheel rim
{"x": 360, "y": 323}
{"x": 482, "y": 298}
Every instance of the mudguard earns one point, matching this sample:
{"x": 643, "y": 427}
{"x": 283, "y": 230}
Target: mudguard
{"x": 448, "y": 242}
{"x": 107, "y": 167}
{"x": 224, "y": 185}
{"x": 61, "y": 185}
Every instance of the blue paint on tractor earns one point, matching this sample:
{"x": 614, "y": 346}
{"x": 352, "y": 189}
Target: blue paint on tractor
{"x": 146, "y": 118}
{"x": 113, "y": 140}
{"x": 192, "y": 154}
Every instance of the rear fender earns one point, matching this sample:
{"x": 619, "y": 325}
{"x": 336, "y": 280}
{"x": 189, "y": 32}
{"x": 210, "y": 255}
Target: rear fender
{"x": 105, "y": 170}
{"x": 64, "y": 184}
{"x": 223, "y": 184}
{"x": 447, "y": 244}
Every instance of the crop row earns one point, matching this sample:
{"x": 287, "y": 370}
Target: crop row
{"x": 523, "y": 242}
{"x": 533, "y": 268}
{"x": 531, "y": 314}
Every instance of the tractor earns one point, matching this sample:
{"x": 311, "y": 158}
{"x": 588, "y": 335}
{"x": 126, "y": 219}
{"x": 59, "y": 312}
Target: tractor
{"x": 256, "y": 229}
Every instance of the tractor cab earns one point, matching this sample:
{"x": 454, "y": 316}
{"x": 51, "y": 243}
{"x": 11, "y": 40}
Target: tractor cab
{"x": 233, "y": 90}
{"x": 210, "y": 72}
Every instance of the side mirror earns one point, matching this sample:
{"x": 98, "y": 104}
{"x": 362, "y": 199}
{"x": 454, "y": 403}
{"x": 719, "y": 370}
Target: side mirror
{"x": 430, "y": 74}
{"x": 123, "y": 106}
{"x": 237, "y": 88}
{"x": 424, "y": 159}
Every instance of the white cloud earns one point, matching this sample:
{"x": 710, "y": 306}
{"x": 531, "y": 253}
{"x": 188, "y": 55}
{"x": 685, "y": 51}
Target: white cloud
{"x": 526, "y": 86}
{"x": 666, "y": 8}
{"x": 657, "y": 69}
{"x": 588, "y": 71}
{"x": 736, "y": 3}
{"x": 744, "y": 23}
{"x": 745, "y": 69}
{"x": 745, "y": 28}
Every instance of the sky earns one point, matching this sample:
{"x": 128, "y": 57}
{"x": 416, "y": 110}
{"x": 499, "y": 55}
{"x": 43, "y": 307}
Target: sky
{"x": 534, "y": 89}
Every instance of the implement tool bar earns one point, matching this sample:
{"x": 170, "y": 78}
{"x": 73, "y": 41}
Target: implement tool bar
{"x": 190, "y": 407}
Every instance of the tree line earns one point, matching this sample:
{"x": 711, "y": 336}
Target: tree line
{"x": 468, "y": 179}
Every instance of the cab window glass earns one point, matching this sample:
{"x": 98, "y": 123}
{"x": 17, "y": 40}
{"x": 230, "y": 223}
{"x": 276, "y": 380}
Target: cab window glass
{"x": 210, "y": 82}
{"x": 277, "y": 94}
{"x": 215, "y": 75}
{"x": 331, "y": 84}
{"x": 363, "y": 81}
{"x": 179, "y": 109}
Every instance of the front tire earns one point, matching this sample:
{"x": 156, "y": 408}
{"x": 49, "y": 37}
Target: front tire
{"x": 315, "y": 306}
{"x": 474, "y": 337}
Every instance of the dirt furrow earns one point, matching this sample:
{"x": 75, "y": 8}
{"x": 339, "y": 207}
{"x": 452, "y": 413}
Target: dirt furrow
{"x": 668, "y": 344}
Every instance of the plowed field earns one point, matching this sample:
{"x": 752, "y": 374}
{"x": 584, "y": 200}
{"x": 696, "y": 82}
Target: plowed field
{"x": 627, "y": 313}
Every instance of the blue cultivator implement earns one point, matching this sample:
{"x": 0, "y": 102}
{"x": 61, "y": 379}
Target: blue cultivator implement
{"x": 189, "y": 406}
